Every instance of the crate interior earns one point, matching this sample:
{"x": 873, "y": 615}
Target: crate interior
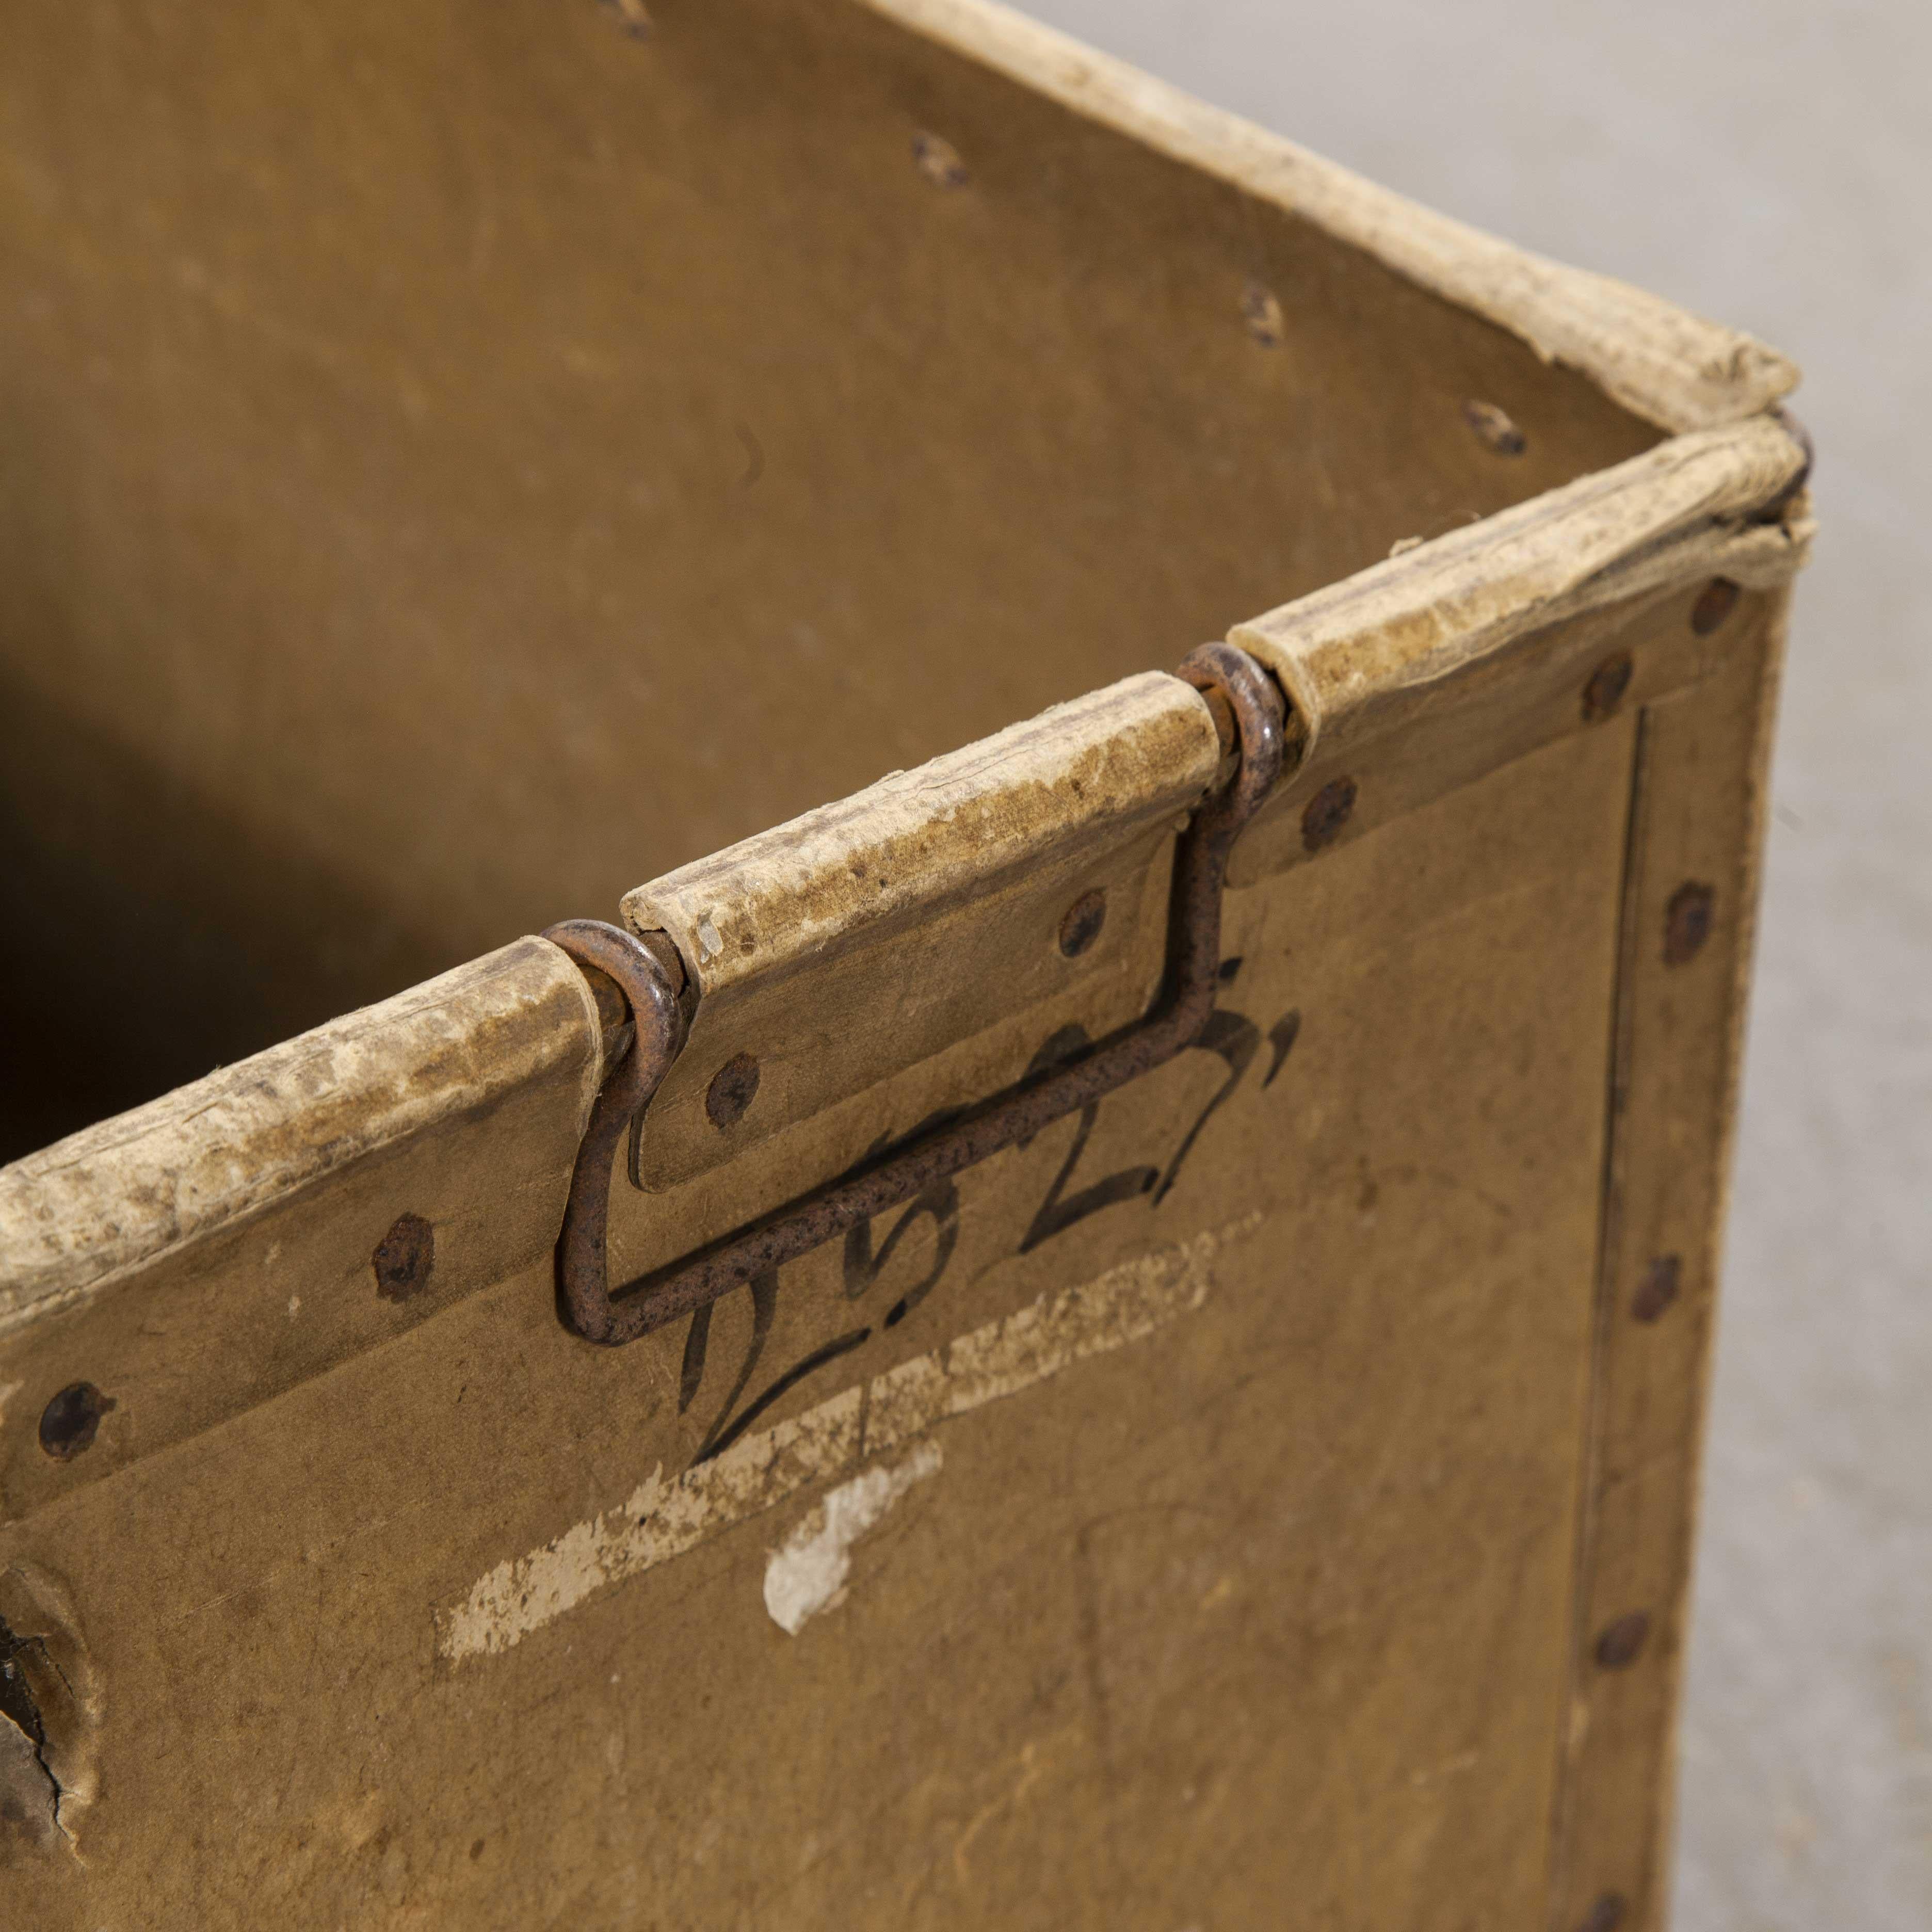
{"x": 457, "y": 464}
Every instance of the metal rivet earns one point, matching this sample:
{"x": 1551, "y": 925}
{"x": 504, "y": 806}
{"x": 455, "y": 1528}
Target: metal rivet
{"x": 1327, "y": 811}
{"x": 1658, "y": 1288}
{"x": 1082, "y": 925}
{"x": 1261, "y": 309}
{"x": 939, "y": 161}
{"x": 1687, "y": 922}
{"x": 69, "y": 1421}
{"x": 733, "y": 1087}
{"x": 1608, "y": 682}
{"x": 1496, "y": 428}
{"x": 1621, "y": 1642}
{"x": 632, "y": 17}
{"x": 404, "y": 1258}
{"x": 1606, "y": 1915}
{"x": 1715, "y": 602}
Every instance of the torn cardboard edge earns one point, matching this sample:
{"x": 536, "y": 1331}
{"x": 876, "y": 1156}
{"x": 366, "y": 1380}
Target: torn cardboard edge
{"x": 51, "y": 1707}
{"x": 1663, "y": 363}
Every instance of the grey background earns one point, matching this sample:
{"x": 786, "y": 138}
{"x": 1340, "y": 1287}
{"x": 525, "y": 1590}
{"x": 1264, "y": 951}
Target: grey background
{"x": 1768, "y": 163}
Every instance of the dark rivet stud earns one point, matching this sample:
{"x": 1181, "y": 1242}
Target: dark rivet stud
{"x": 1326, "y": 812}
{"x": 1605, "y": 691}
{"x": 404, "y": 1258}
{"x": 1082, "y": 925}
{"x": 1261, "y": 308}
{"x": 1658, "y": 1288}
{"x": 632, "y": 17}
{"x": 69, "y": 1421}
{"x": 733, "y": 1087}
{"x": 938, "y": 159}
{"x": 1621, "y": 1642}
{"x": 1495, "y": 427}
{"x": 1606, "y": 1915}
{"x": 1687, "y": 922}
{"x": 1715, "y": 602}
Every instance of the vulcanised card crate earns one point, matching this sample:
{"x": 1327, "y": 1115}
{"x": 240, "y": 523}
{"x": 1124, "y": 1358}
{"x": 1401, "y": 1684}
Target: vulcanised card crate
{"x": 1110, "y": 1331}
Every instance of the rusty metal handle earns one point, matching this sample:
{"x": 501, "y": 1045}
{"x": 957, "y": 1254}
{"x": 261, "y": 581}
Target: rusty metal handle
{"x": 1179, "y": 1013}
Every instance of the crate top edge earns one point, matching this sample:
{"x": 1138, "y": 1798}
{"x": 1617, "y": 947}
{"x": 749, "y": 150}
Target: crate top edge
{"x": 1676, "y": 370}
{"x": 93, "y": 1209}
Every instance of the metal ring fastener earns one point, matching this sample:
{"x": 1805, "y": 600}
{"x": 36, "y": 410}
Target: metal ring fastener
{"x": 583, "y": 1267}
{"x": 1175, "y": 1020}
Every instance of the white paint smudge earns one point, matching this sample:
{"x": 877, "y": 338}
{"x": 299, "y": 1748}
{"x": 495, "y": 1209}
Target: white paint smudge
{"x": 8, "y": 1391}
{"x": 807, "y": 1572}
{"x": 661, "y": 1519}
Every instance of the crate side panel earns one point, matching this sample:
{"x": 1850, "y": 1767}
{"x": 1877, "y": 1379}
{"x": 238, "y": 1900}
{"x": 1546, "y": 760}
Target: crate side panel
{"x": 1211, "y": 1544}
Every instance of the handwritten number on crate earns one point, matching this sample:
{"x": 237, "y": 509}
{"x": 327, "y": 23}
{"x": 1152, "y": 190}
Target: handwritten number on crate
{"x": 940, "y": 1202}
{"x": 764, "y": 1291}
{"x": 1059, "y": 1210}
{"x": 726, "y": 1429}
{"x": 721, "y": 1438}
{"x": 1282, "y": 1036}
{"x": 1231, "y": 1036}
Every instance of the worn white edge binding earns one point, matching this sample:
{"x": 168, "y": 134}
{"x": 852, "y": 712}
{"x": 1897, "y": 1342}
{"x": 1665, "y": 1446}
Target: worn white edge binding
{"x": 1661, "y": 362}
{"x": 1685, "y": 510}
{"x": 90, "y": 1210}
{"x": 1092, "y": 771}
{"x": 79, "y": 1215}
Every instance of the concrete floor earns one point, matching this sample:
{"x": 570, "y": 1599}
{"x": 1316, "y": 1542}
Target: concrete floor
{"x": 1770, "y": 164}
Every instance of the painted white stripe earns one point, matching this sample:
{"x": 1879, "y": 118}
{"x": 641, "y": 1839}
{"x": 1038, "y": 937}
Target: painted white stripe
{"x": 661, "y": 1519}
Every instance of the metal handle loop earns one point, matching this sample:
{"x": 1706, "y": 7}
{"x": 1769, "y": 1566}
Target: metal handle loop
{"x": 583, "y": 1267}
{"x": 1175, "y": 1020}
